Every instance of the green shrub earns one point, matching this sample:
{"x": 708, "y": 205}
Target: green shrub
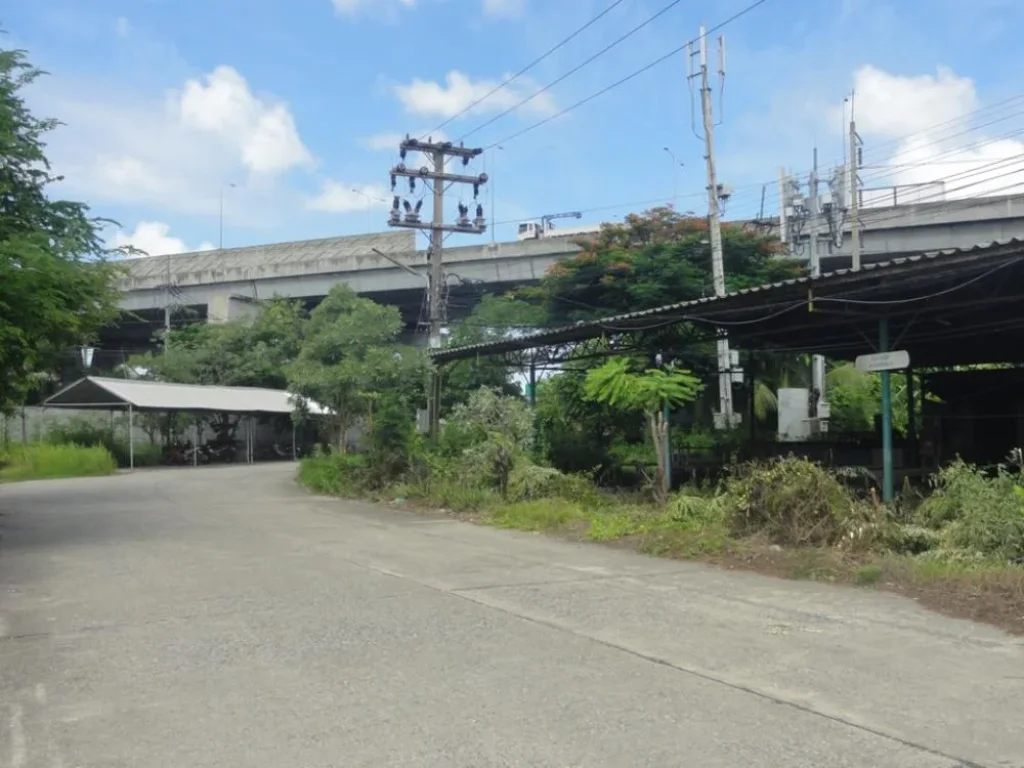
{"x": 796, "y": 502}
{"x": 40, "y": 461}
{"x": 691, "y": 512}
{"x": 976, "y": 513}
{"x": 393, "y": 442}
{"x": 87, "y": 432}
{"x": 911, "y": 539}
{"x": 334, "y": 473}
{"x": 537, "y": 515}
{"x": 613, "y": 526}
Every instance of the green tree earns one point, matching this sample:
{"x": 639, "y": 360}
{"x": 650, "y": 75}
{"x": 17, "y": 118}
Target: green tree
{"x": 663, "y": 257}
{"x": 57, "y": 286}
{"x": 349, "y": 355}
{"x": 656, "y": 258}
{"x": 493, "y": 319}
{"x": 494, "y": 433}
{"x": 239, "y": 354}
{"x": 618, "y": 383}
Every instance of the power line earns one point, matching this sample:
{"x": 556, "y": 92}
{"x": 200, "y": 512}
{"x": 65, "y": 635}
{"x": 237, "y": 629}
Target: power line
{"x": 577, "y": 68}
{"x": 627, "y": 78}
{"x": 937, "y": 138}
{"x": 956, "y": 121}
{"x": 743, "y": 192}
{"x": 529, "y": 66}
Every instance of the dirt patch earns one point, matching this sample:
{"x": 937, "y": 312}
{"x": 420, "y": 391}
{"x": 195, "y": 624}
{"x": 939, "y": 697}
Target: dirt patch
{"x": 991, "y": 595}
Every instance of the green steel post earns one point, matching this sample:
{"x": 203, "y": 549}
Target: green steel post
{"x": 668, "y": 448}
{"x": 888, "y": 484}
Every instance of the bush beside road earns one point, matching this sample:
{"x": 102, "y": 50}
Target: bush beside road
{"x": 959, "y": 549}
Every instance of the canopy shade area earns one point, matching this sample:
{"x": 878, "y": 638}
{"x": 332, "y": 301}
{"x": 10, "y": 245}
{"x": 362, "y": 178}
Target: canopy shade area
{"x": 137, "y": 396}
{"x": 107, "y": 393}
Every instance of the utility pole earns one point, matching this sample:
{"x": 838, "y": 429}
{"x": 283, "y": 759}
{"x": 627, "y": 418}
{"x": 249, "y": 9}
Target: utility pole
{"x": 726, "y": 412}
{"x": 854, "y": 186}
{"x": 814, "y": 221}
{"x": 438, "y": 180}
{"x": 220, "y": 223}
{"x": 167, "y": 304}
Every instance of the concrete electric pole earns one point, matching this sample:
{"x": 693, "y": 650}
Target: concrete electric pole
{"x": 814, "y": 224}
{"x": 438, "y": 180}
{"x": 854, "y": 186}
{"x": 726, "y": 416}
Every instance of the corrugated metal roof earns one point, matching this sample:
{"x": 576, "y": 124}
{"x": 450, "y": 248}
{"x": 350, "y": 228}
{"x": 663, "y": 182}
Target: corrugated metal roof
{"x": 100, "y": 392}
{"x": 266, "y": 256}
{"x": 549, "y": 335}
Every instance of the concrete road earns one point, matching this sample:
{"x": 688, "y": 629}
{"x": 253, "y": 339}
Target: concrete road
{"x": 222, "y": 617}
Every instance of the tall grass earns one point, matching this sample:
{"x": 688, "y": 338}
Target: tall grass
{"x": 40, "y": 461}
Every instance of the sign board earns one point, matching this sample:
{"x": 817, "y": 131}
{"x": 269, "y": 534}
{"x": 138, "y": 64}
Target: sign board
{"x": 883, "y": 361}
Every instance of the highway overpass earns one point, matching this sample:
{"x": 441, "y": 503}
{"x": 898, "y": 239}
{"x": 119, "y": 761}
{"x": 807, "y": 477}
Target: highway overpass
{"x": 222, "y": 285}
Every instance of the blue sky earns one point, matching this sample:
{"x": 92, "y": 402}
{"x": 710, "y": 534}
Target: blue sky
{"x": 285, "y": 107}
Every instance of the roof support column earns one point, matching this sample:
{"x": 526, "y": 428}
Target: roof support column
{"x": 888, "y": 484}
{"x": 131, "y": 437}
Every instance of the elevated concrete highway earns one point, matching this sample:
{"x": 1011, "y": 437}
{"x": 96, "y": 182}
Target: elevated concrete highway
{"x": 222, "y": 285}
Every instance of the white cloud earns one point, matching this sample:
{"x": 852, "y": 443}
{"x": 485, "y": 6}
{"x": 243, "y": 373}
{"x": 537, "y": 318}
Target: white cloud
{"x": 175, "y": 151}
{"x": 123, "y": 27}
{"x": 338, "y": 197}
{"x": 154, "y": 238}
{"x": 934, "y": 152}
{"x": 430, "y": 98}
{"x": 506, "y": 9}
{"x": 893, "y": 105}
{"x": 264, "y": 133}
{"x": 389, "y": 141}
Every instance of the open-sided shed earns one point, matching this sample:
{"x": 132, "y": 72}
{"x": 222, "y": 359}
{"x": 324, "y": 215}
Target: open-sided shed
{"x": 140, "y": 396}
{"x": 942, "y": 308}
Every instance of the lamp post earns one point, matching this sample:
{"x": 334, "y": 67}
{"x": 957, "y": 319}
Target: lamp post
{"x": 220, "y": 236}
{"x": 675, "y": 174}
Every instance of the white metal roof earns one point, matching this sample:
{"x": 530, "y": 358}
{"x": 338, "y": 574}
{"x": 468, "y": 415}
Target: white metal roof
{"x": 101, "y": 392}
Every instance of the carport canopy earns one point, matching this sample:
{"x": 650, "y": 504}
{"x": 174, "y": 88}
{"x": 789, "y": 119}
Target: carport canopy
{"x": 108, "y": 393}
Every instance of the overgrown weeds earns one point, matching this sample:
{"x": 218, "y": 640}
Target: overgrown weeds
{"x": 797, "y": 503}
{"x": 788, "y": 517}
{"x": 43, "y": 461}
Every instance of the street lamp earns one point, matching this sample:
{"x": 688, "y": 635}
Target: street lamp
{"x": 220, "y": 237}
{"x": 675, "y": 174}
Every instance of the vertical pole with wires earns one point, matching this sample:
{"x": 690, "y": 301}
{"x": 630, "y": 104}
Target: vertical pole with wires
{"x": 437, "y": 312}
{"x": 814, "y": 221}
{"x": 854, "y": 186}
{"x": 439, "y": 179}
{"x": 167, "y": 305}
{"x": 726, "y": 416}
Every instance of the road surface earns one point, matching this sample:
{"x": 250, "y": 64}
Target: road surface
{"x": 223, "y": 617}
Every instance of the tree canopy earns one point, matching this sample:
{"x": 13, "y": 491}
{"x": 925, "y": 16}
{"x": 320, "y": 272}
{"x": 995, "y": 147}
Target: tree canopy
{"x": 232, "y": 354}
{"x": 657, "y": 258}
{"x": 57, "y": 288}
{"x": 350, "y": 358}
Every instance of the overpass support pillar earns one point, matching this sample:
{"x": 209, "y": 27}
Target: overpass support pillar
{"x": 231, "y": 307}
